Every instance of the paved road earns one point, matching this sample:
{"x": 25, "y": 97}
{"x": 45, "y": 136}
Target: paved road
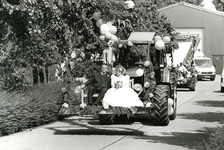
{"x": 198, "y": 112}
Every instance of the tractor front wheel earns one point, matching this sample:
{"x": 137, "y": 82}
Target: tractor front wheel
{"x": 160, "y": 100}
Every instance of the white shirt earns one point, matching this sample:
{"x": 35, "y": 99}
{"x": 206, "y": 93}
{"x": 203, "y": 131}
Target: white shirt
{"x": 182, "y": 69}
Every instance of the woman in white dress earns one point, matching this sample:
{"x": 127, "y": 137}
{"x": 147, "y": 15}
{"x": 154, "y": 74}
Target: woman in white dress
{"x": 121, "y": 94}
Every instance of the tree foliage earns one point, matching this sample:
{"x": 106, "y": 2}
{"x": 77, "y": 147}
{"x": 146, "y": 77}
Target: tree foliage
{"x": 43, "y": 32}
{"x": 47, "y": 28}
{"x": 219, "y": 4}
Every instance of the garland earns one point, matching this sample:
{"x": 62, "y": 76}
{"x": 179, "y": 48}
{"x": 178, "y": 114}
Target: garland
{"x": 95, "y": 110}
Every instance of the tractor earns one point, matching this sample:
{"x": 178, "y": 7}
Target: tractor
{"x": 154, "y": 79}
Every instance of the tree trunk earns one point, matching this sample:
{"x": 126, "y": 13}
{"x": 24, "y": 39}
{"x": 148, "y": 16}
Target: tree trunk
{"x": 41, "y": 74}
{"x": 35, "y": 75}
{"x": 47, "y": 74}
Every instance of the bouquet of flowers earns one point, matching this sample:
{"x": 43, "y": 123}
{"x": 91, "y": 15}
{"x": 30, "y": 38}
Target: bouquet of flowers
{"x": 118, "y": 84}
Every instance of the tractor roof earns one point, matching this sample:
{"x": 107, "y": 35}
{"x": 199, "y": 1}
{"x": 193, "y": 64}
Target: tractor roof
{"x": 140, "y": 37}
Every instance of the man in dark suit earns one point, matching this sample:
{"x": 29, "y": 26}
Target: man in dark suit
{"x": 99, "y": 82}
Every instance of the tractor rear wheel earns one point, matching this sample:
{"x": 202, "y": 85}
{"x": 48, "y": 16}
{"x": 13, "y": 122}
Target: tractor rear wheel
{"x": 106, "y": 119}
{"x": 160, "y": 100}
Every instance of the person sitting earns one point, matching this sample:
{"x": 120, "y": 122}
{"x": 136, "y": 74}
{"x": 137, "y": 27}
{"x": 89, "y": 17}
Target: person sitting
{"x": 98, "y": 82}
{"x": 182, "y": 70}
{"x": 121, "y": 94}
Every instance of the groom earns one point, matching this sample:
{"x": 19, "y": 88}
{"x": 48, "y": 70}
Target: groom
{"x": 99, "y": 82}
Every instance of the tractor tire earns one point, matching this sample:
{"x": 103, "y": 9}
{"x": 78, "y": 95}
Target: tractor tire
{"x": 199, "y": 78}
{"x": 160, "y": 100}
{"x": 106, "y": 119}
{"x": 212, "y": 79}
{"x": 222, "y": 89}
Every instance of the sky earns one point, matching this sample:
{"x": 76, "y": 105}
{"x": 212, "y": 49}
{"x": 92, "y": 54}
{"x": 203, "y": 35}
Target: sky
{"x": 208, "y": 5}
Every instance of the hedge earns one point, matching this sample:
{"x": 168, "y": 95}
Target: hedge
{"x": 41, "y": 105}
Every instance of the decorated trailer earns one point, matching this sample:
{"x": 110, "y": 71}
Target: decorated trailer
{"x": 189, "y": 79}
{"x": 152, "y": 77}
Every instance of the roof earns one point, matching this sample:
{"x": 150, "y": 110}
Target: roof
{"x": 141, "y": 37}
{"x": 191, "y": 6}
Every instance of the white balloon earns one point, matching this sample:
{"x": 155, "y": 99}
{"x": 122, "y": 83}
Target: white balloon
{"x": 99, "y": 23}
{"x": 104, "y": 28}
{"x": 170, "y": 102}
{"x": 114, "y": 38}
{"x": 157, "y": 38}
{"x": 166, "y": 39}
{"x": 108, "y": 35}
{"x": 170, "y": 111}
{"x": 139, "y": 72}
{"x": 109, "y": 23}
{"x": 129, "y": 4}
{"x": 78, "y": 89}
{"x": 160, "y": 45}
{"x": 96, "y": 15}
{"x": 113, "y": 29}
{"x": 102, "y": 37}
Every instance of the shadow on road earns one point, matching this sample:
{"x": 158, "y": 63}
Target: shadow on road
{"x": 210, "y": 103}
{"x": 188, "y": 140}
{"x": 91, "y": 126}
{"x": 205, "y": 117}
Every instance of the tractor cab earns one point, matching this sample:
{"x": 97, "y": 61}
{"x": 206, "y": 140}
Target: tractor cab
{"x": 158, "y": 62}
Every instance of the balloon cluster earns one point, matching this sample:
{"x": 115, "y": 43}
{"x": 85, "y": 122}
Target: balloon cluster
{"x": 170, "y": 108}
{"x": 107, "y": 29}
{"x": 160, "y": 42}
{"x": 129, "y": 4}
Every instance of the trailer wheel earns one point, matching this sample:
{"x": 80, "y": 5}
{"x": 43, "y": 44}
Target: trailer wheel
{"x": 106, "y": 119}
{"x": 160, "y": 100}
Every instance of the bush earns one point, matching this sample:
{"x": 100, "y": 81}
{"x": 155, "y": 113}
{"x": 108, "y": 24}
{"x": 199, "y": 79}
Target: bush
{"x": 215, "y": 140}
{"x": 19, "y": 111}
{"x": 19, "y": 80}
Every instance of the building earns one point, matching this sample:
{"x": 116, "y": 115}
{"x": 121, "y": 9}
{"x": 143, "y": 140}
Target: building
{"x": 209, "y": 24}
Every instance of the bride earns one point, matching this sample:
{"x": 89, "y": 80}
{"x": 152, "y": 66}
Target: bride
{"x": 120, "y": 94}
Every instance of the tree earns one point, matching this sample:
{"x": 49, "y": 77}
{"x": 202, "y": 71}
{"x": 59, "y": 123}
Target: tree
{"x": 219, "y": 4}
{"x": 46, "y": 31}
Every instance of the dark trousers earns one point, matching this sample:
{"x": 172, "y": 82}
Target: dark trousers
{"x": 93, "y": 90}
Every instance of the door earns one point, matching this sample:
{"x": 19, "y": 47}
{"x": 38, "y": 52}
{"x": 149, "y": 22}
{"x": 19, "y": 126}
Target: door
{"x": 218, "y": 63}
